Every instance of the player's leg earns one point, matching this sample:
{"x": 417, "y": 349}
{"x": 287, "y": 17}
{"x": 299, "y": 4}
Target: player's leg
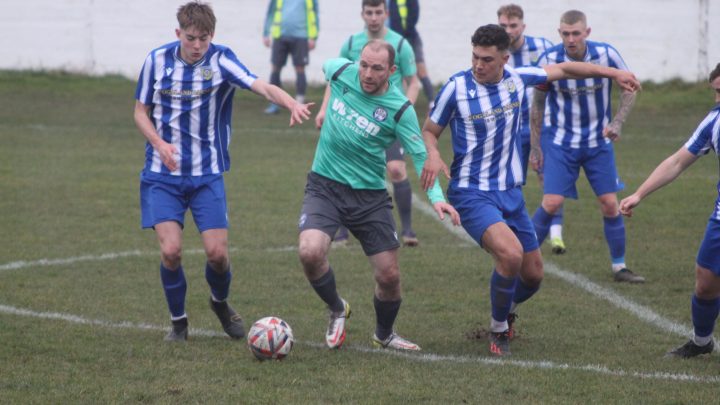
{"x": 375, "y": 229}
{"x": 507, "y": 252}
{"x": 300, "y": 58}
{"x": 602, "y": 175}
{"x": 706, "y": 299}
{"x": 163, "y": 207}
{"x": 556, "y": 225}
{"x": 172, "y": 276}
{"x": 402, "y": 191}
{"x": 705, "y": 306}
{"x": 208, "y": 205}
{"x": 278, "y": 58}
{"x": 560, "y": 172}
{"x": 422, "y": 73}
{"x": 319, "y": 219}
{"x": 531, "y": 271}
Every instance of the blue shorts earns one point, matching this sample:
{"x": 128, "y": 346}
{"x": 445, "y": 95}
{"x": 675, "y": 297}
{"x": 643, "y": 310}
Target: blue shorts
{"x": 480, "y": 209}
{"x": 166, "y": 198}
{"x": 562, "y": 168}
{"x": 709, "y": 254}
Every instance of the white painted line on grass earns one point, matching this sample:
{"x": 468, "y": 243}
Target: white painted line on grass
{"x": 644, "y": 313}
{"x": 422, "y": 357}
{"x": 112, "y": 256}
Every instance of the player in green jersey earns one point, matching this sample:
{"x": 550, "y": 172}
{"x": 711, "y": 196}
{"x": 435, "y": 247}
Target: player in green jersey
{"x": 374, "y": 14}
{"x": 346, "y": 186}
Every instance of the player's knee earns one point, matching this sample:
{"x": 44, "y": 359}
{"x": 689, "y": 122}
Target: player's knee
{"x": 552, "y": 205}
{"x": 312, "y": 256}
{"x": 397, "y": 172}
{"x": 171, "y": 255}
{"x": 510, "y": 259}
{"x": 388, "y": 280}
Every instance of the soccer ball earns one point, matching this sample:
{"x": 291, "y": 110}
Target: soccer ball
{"x": 270, "y": 338}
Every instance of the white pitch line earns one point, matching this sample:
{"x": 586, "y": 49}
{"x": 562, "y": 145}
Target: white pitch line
{"x": 644, "y": 313}
{"x": 424, "y": 358}
{"x": 111, "y": 256}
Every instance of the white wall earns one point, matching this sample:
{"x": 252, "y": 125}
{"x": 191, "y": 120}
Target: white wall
{"x": 659, "y": 39}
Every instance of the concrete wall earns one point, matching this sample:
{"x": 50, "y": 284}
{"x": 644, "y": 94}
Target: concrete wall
{"x": 659, "y": 39}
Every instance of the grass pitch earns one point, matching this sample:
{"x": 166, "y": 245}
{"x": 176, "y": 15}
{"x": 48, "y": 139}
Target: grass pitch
{"x": 82, "y": 313}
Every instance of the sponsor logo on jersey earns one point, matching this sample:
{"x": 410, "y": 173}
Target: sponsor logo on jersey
{"x": 352, "y": 120}
{"x": 380, "y": 114}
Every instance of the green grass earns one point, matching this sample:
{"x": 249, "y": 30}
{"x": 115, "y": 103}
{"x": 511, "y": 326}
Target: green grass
{"x": 69, "y": 163}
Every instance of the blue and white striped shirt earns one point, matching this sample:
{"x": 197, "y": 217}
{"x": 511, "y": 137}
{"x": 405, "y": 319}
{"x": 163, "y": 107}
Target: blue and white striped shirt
{"x": 192, "y": 106}
{"x": 484, "y": 121}
{"x": 706, "y": 137}
{"x": 578, "y": 110}
{"x": 528, "y": 55}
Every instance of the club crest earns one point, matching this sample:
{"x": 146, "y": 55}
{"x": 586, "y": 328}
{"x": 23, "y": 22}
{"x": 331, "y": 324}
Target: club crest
{"x": 206, "y": 73}
{"x": 510, "y": 86}
{"x": 380, "y": 114}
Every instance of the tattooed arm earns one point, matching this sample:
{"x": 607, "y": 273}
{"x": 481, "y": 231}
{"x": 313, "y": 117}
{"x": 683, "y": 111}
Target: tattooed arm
{"x": 614, "y": 128}
{"x": 537, "y": 114}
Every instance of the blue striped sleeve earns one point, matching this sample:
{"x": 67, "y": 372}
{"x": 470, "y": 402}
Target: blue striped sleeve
{"x": 700, "y": 142}
{"x": 532, "y": 75}
{"x": 144, "y": 91}
{"x": 445, "y": 104}
{"x": 234, "y": 71}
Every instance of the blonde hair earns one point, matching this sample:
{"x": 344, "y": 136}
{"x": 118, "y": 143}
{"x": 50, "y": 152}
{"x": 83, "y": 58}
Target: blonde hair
{"x": 511, "y": 10}
{"x": 573, "y": 16}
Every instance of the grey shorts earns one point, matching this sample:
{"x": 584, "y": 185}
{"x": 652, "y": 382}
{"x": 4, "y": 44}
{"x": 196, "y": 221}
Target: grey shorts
{"x": 367, "y": 214}
{"x": 394, "y": 152}
{"x": 284, "y": 46}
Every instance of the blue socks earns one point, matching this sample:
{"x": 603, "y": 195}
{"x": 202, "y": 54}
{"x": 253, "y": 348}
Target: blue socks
{"x": 219, "y": 283}
{"x": 704, "y": 314}
{"x": 175, "y": 287}
{"x": 615, "y": 237}
{"x": 502, "y": 290}
{"x": 541, "y": 220}
{"x": 523, "y": 292}
{"x": 557, "y": 219}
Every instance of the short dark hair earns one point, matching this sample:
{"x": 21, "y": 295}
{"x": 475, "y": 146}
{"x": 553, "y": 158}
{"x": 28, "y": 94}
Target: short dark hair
{"x": 198, "y": 15}
{"x": 378, "y": 44}
{"x": 373, "y": 3}
{"x": 491, "y": 35}
{"x": 715, "y": 73}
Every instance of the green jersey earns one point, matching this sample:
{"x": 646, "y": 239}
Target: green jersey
{"x": 358, "y": 127}
{"x": 404, "y": 55}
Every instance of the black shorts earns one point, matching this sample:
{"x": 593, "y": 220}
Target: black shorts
{"x": 394, "y": 152}
{"x": 367, "y": 214}
{"x": 284, "y": 46}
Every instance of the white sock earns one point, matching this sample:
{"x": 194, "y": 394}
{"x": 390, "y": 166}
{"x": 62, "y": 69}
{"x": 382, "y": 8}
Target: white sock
{"x": 618, "y": 266}
{"x": 496, "y": 326}
{"x": 556, "y": 231}
{"x": 702, "y": 341}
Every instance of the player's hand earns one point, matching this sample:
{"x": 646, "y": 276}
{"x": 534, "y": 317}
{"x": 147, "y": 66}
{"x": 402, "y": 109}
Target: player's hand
{"x": 267, "y": 41}
{"x": 627, "y": 81}
{"x": 300, "y": 112}
{"x": 628, "y": 203}
{"x": 169, "y": 155}
{"x": 536, "y": 159}
{"x": 612, "y": 131}
{"x": 433, "y": 165}
{"x": 442, "y": 207}
{"x": 319, "y": 119}
{"x": 311, "y": 44}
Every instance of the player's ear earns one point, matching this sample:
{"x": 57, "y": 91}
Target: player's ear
{"x": 587, "y": 33}
{"x": 177, "y": 32}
